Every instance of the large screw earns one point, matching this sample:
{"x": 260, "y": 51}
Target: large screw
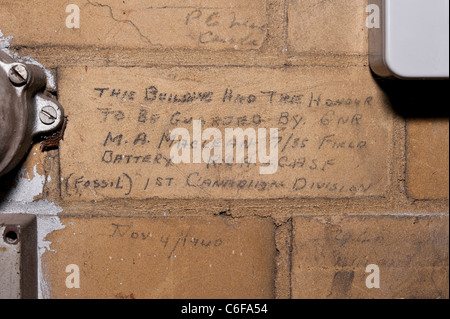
{"x": 18, "y": 75}
{"x": 48, "y": 115}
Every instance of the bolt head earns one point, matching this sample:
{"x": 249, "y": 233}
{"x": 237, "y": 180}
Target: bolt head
{"x": 48, "y": 115}
{"x": 18, "y": 74}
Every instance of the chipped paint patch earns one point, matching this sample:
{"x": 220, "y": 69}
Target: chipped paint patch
{"x": 28, "y": 186}
{"x": 4, "y": 42}
{"x": 46, "y": 225}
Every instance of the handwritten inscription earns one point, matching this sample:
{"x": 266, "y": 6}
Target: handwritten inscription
{"x": 199, "y": 24}
{"x": 168, "y": 242}
{"x": 328, "y": 143}
{"x": 226, "y": 27}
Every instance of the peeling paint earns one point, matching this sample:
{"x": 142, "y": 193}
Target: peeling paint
{"x": 4, "y": 42}
{"x": 46, "y": 225}
{"x": 28, "y": 187}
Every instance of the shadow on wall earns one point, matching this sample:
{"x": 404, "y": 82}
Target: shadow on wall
{"x": 418, "y": 98}
{"x": 9, "y": 181}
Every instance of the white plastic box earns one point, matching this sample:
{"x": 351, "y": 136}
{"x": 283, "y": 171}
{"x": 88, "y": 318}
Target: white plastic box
{"x": 412, "y": 40}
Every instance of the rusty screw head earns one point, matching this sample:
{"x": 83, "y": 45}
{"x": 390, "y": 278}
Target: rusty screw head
{"x": 18, "y": 75}
{"x": 48, "y": 115}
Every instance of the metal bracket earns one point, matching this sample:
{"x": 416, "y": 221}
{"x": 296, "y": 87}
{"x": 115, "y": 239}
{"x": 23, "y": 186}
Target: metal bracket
{"x": 18, "y": 257}
{"x": 26, "y": 110}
